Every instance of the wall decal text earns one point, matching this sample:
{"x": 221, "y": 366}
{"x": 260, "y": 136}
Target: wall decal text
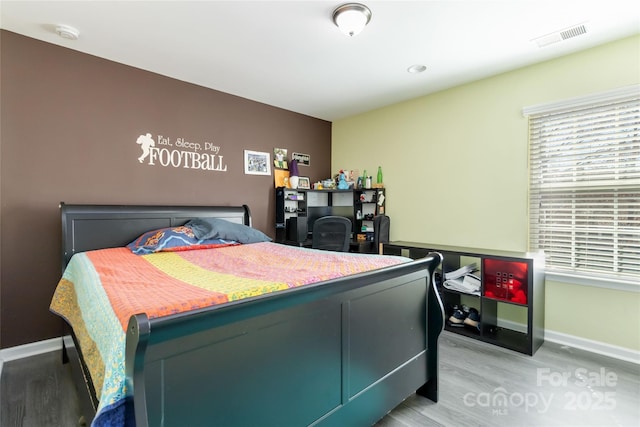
{"x": 180, "y": 153}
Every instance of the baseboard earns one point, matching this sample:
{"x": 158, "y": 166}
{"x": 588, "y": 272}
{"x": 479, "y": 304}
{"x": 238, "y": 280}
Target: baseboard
{"x": 610, "y": 350}
{"x": 27, "y": 350}
{"x": 31, "y": 349}
{"x": 596, "y": 347}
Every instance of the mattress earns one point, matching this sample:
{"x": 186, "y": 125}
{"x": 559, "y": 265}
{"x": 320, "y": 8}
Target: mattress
{"x": 100, "y": 290}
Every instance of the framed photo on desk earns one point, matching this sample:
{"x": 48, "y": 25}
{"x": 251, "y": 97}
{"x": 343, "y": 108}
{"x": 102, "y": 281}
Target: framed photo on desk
{"x": 303, "y": 183}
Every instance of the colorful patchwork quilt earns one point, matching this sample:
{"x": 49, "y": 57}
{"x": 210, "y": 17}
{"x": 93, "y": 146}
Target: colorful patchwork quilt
{"x": 100, "y": 290}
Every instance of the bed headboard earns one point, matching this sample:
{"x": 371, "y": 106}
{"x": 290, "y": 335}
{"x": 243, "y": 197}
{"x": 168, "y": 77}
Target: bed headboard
{"x": 89, "y": 227}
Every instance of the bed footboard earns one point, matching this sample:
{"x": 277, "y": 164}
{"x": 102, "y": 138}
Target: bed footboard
{"x": 342, "y": 352}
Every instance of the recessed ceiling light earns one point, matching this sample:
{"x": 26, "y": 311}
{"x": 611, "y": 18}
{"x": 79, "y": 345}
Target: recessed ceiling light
{"x": 67, "y": 32}
{"x": 416, "y": 68}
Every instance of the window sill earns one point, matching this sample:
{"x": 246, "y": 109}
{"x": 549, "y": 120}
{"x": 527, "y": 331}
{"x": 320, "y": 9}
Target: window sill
{"x": 612, "y": 283}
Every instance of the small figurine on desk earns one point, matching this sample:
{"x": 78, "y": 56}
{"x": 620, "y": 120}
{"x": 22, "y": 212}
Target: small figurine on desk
{"x": 342, "y": 183}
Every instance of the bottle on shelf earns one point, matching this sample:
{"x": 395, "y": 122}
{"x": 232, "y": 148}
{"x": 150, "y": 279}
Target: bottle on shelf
{"x": 379, "y": 181}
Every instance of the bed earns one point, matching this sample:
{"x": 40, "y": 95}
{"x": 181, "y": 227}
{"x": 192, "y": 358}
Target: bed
{"x": 339, "y": 351}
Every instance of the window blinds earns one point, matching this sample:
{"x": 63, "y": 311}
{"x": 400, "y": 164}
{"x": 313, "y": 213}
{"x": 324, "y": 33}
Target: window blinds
{"x": 584, "y": 196}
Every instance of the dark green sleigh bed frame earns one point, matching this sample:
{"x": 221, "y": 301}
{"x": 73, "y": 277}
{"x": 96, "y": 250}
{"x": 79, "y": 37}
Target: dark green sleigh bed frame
{"x": 337, "y": 353}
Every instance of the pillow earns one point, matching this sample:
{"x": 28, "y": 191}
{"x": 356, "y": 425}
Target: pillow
{"x": 217, "y": 228}
{"x": 173, "y": 239}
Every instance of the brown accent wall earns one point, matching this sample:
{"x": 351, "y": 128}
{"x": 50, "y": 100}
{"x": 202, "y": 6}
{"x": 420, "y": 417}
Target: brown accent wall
{"x": 69, "y": 125}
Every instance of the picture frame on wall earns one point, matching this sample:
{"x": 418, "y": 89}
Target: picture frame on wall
{"x": 303, "y": 183}
{"x": 257, "y": 163}
{"x": 301, "y": 158}
{"x": 280, "y": 158}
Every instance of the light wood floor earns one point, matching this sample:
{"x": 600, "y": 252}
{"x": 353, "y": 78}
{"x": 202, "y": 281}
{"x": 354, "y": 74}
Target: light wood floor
{"x": 483, "y": 385}
{"x": 480, "y": 385}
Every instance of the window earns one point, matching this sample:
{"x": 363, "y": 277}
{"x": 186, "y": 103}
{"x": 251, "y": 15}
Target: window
{"x": 584, "y": 191}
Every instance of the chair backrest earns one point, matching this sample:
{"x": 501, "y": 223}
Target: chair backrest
{"x": 331, "y": 233}
{"x": 381, "y": 225}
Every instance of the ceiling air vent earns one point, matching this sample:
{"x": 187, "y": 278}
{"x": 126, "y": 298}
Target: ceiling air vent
{"x": 561, "y": 35}
{"x": 573, "y": 32}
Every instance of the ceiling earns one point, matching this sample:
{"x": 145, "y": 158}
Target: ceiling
{"x": 290, "y": 55}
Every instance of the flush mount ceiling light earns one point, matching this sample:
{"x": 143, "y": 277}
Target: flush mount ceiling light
{"x": 351, "y": 18}
{"x": 67, "y": 32}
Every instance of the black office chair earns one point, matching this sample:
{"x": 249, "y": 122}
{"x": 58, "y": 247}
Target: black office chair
{"x": 331, "y": 233}
{"x": 381, "y": 225}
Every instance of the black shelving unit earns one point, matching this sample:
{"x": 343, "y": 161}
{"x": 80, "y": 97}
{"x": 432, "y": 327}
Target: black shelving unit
{"x": 367, "y": 204}
{"x": 290, "y": 203}
{"x": 510, "y": 283}
{"x": 360, "y": 205}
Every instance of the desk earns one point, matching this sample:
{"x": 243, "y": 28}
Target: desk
{"x": 363, "y": 247}
{"x": 303, "y": 244}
